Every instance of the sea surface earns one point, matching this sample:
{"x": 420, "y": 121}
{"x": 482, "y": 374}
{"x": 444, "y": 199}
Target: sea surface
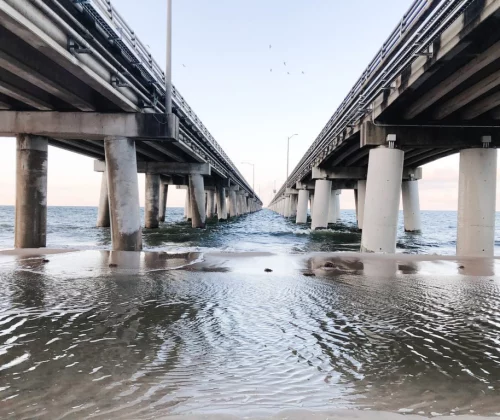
{"x": 74, "y": 227}
{"x": 248, "y": 317}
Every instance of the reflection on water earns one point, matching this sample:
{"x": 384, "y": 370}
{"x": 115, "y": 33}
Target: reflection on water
{"x": 139, "y": 340}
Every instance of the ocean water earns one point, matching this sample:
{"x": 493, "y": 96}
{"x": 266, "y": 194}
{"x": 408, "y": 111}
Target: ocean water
{"x": 74, "y": 227}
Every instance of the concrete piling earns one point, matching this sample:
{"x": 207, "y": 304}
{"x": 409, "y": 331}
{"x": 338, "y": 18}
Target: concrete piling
{"x": 197, "y": 197}
{"x": 476, "y": 202}
{"x": 322, "y": 197}
{"x": 411, "y": 206}
{"x": 103, "y": 210}
{"x": 31, "y": 191}
{"x": 123, "y": 191}
{"x": 383, "y": 190}
{"x": 152, "y": 202}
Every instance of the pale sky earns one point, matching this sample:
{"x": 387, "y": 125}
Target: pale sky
{"x": 222, "y": 65}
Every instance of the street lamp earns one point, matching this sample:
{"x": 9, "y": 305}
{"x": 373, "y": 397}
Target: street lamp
{"x": 253, "y": 174}
{"x": 168, "y": 71}
{"x": 288, "y": 154}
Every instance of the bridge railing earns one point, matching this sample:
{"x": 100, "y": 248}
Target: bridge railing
{"x": 421, "y": 24}
{"x": 139, "y": 55}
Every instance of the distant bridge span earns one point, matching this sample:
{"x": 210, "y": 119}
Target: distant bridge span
{"x": 74, "y": 75}
{"x": 432, "y": 90}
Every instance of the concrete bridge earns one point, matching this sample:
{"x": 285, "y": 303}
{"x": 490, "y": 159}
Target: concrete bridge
{"x": 431, "y": 91}
{"x": 74, "y": 75}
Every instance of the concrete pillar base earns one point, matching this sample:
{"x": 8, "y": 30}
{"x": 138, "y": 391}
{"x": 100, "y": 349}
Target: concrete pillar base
{"x": 31, "y": 192}
{"x": 210, "y": 204}
{"x": 332, "y": 207}
{"x": 103, "y": 210}
{"x": 187, "y": 206}
{"x": 163, "y": 201}
{"x": 411, "y": 206}
{"x": 383, "y": 190}
{"x": 233, "y": 212}
{"x": 302, "y": 207}
{"x": 322, "y": 198}
{"x": 361, "y": 203}
{"x": 123, "y": 188}
{"x": 152, "y": 202}
{"x": 476, "y": 202}
{"x": 197, "y": 196}
{"x": 221, "y": 203}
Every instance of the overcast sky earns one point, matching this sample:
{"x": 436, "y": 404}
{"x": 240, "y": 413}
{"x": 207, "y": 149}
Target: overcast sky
{"x": 223, "y": 54}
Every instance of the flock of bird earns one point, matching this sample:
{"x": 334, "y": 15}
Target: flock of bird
{"x": 271, "y": 70}
{"x": 284, "y": 63}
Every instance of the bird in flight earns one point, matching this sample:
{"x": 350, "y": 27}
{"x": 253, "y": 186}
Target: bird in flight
{"x": 270, "y": 46}
{"x": 284, "y": 63}
{"x": 183, "y": 65}
{"x": 271, "y": 70}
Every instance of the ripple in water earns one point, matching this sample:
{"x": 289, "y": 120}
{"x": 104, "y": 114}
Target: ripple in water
{"x": 80, "y": 339}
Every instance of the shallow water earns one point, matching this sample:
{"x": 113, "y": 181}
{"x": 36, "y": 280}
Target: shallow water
{"x": 74, "y": 227}
{"x": 81, "y": 339}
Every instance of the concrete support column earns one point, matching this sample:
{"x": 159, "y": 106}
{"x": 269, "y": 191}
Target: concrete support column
{"x": 332, "y": 207}
{"x": 411, "y": 206}
{"x": 103, "y": 210}
{"x": 31, "y": 192}
{"x": 476, "y": 202}
{"x": 152, "y": 202}
{"x": 361, "y": 202}
{"x": 322, "y": 197}
{"x": 163, "y": 201}
{"x": 233, "y": 212}
{"x": 293, "y": 205}
{"x": 221, "y": 203}
{"x": 123, "y": 187}
{"x": 197, "y": 197}
{"x": 311, "y": 203}
{"x": 356, "y": 204}
{"x": 286, "y": 211}
{"x": 337, "y": 204}
{"x": 187, "y": 205}
{"x": 302, "y": 206}
{"x": 210, "y": 204}
{"x": 383, "y": 190}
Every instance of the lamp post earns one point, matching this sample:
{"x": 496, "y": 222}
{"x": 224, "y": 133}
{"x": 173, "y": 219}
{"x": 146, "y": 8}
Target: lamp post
{"x": 288, "y": 154}
{"x": 253, "y": 174}
{"x": 168, "y": 71}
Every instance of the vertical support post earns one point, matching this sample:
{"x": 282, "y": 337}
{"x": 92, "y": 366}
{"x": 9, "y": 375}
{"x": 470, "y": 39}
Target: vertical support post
{"x": 210, "y": 204}
{"x": 152, "y": 202}
{"x": 361, "y": 202}
{"x": 476, "y": 202}
{"x": 411, "y": 206}
{"x": 286, "y": 212}
{"x": 187, "y": 205}
{"x": 123, "y": 188}
{"x": 221, "y": 203}
{"x": 103, "y": 210}
{"x": 293, "y": 205}
{"x": 197, "y": 196}
{"x": 337, "y": 204}
{"x": 31, "y": 191}
{"x": 383, "y": 190}
{"x": 322, "y": 197}
{"x": 233, "y": 212}
{"x": 163, "y": 201}
{"x": 356, "y": 205}
{"x": 302, "y": 207}
{"x": 332, "y": 208}
{"x": 311, "y": 203}
{"x": 168, "y": 70}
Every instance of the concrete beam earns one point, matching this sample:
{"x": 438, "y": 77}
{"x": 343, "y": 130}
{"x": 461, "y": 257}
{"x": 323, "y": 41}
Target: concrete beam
{"x": 457, "y": 78}
{"x": 164, "y": 168}
{"x": 90, "y": 125}
{"x": 482, "y": 106}
{"x": 339, "y": 173}
{"x": 24, "y": 97}
{"x": 29, "y": 74}
{"x": 467, "y": 96}
{"x": 428, "y": 137}
{"x": 290, "y": 191}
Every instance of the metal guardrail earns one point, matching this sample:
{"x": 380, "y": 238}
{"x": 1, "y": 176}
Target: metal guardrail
{"x": 422, "y": 23}
{"x": 137, "y": 53}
